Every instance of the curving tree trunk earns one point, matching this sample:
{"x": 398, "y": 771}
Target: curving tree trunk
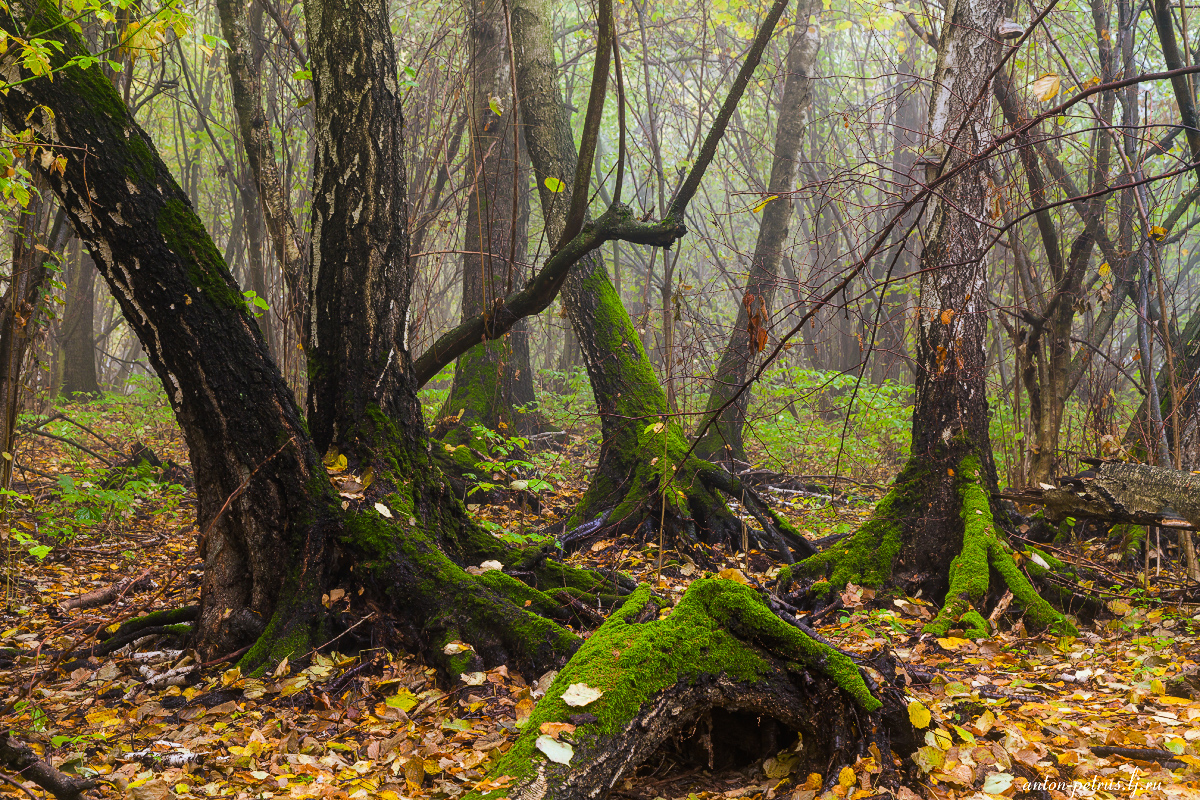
{"x": 644, "y": 480}
{"x": 277, "y": 538}
{"x": 727, "y": 408}
{"x": 492, "y": 381}
{"x": 937, "y": 532}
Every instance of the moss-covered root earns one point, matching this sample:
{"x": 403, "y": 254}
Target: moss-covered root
{"x": 982, "y": 549}
{"x": 664, "y": 488}
{"x": 867, "y": 557}
{"x": 720, "y": 655}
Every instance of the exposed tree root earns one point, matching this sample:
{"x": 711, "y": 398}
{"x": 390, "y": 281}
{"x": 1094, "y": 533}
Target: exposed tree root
{"x": 873, "y": 555}
{"x": 20, "y": 758}
{"x": 409, "y": 568}
{"x": 666, "y": 492}
{"x": 720, "y": 656}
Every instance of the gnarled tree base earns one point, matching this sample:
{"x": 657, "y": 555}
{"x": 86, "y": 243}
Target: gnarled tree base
{"x": 978, "y": 561}
{"x": 658, "y": 489}
{"x": 664, "y": 673}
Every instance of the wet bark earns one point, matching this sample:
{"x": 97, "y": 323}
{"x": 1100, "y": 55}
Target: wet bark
{"x": 492, "y": 380}
{"x": 939, "y": 532}
{"x": 723, "y": 441}
{"x": 274, "y": 535}
{"x": 950, "y": 417}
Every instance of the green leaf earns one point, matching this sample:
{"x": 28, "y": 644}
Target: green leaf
{"x": 494, "y": 105}
{"x": 554, "y": 184}
{"x": 404, "y": 700}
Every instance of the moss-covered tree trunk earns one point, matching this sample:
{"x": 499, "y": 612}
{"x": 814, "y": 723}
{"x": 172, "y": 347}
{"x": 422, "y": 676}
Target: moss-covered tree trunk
{"x": 277, "y": 539}
{"x": 726, "y": 402}
{"x": 274, "y": 534}
{"x": 720, "y": 681}
{"x": 644, "y": 479}
{"x": 938, "y": 533}
{"x": 492, "y": 381}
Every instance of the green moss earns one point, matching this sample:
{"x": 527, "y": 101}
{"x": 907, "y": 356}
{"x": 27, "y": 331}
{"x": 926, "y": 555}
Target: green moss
{"x": 969, "y": 572}
{"x": 631, "y": 662}
{"x": 186, "y": 236}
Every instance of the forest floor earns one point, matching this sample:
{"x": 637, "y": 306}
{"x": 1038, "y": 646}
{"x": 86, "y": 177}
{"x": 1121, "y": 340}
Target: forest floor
{"x": 997, "y": 713}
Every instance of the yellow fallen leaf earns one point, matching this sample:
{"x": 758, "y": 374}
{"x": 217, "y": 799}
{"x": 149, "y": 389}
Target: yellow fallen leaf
{"x": 918, "y": 714}
{"x": 846, "y": 777}
{"x": 731, "y": 574}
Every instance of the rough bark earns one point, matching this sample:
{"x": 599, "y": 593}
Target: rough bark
{"x": 492, "y": 380}
{"x": 77, "y": 334}
{"x": 274, "y": 534}
{"x": 1117, "y": 492}
{"x": 723, "y": 441}
{"x": 360, "y": 276}
{"x": 19, "y": 309}
{"x": 643, "y": 480}
{"x": 276, "y": 537}
{"x": 937, "y": 532}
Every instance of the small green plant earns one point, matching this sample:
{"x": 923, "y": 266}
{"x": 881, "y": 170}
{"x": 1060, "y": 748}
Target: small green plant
{"x": 509, "y": 465}
{"x": 258, "y": 306}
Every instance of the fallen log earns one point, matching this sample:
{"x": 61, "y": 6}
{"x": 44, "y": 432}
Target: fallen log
{"x": 1118, "y": 492}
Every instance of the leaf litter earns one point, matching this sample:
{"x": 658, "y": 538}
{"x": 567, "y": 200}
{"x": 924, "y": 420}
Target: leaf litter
{"x": 150, "y": 722}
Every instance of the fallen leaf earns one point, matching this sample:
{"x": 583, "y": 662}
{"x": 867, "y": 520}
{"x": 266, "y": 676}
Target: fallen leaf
{"x": 578, "y": 695}
{"x": 556, "y": 751}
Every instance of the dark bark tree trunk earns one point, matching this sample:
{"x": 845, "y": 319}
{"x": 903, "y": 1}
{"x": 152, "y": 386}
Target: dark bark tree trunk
{"x": 77, "y": 331}
{"x": 936, "y": 532}
{"x": 723, "y": 440}
{"x": 275, "y": 536}
{"x": 492, "y": 380}
{"x": 644, "y": 480}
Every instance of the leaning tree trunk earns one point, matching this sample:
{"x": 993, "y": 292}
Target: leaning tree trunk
{"x": 493, "y": 383}
{"x": 727, "y": 403}
{"x": 644, "y": 479}
{"x": 936, "y": 532}
{"x": 275, "y": 536}
{"x": 78, "y": 336}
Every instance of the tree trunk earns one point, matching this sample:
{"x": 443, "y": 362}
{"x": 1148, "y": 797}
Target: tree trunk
{"x": 275, "y": 537}
{"x": 723, "y": 440}
{"x": 77, "y": 332}
{"x": 643, "y": 479}
{"x": 936, "y": 532}
{"x": 20, "y": 306}
{"x": 670, "y": 685}
{"x": 493, "y": 380}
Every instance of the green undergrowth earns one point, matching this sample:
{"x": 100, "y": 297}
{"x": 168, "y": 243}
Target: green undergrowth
{"x": 631, "y": 662}
{"x": 984, "y": 550}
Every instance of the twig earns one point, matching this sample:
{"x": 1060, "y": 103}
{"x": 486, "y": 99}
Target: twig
{"x": 66, "y": 440}
{"x": 1137, "y": 754}
{"x": 20, "y": 786}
